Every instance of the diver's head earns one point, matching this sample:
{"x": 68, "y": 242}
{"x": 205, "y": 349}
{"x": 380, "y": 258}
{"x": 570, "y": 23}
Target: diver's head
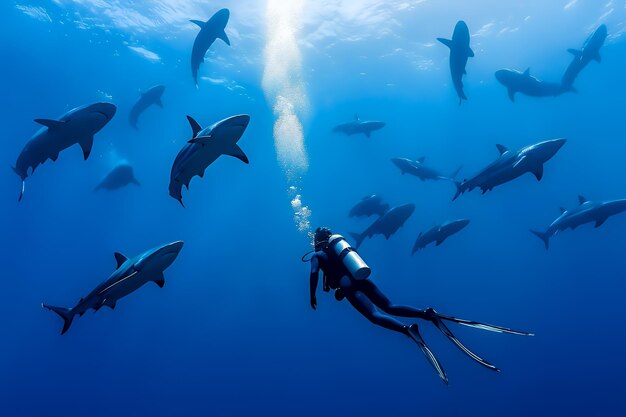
{"x": 320, "y": 239}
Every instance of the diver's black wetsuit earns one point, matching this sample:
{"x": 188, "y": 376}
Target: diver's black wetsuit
{"x": 364, "y": 295}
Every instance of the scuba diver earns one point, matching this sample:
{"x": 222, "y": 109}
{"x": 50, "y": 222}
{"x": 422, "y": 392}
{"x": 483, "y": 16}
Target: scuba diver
{"x": 345, "y": 272}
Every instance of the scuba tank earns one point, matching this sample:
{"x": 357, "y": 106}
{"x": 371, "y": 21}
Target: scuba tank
{"x": 358, "y": 269}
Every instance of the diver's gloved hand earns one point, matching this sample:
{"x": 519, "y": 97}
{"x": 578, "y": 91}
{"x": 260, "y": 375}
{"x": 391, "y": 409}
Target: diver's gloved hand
{"x": 314, "y": 302}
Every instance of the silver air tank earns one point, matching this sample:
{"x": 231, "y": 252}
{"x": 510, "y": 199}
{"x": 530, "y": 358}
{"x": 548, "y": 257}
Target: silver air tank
{"x": 349, "y": 257}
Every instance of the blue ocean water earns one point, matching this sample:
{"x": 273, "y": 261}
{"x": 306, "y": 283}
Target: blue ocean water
{"x": 232, "y": 332}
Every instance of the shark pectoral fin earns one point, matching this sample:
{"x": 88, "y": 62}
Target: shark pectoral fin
{"x": 576, "y": 52}
{"x": 86, "y": 146}
{"x": 470, "y": 53}
{"x": 160, "y": 281}
{"x": 440, "y": 241}
{"x": 195, "y": 126}
{"x": 159, "y": 103}
{"x": 49, "y": 123}
{"x": 223, "y": 36}
{"x": 600, "y": 222}
{"x": 368, "y": 134}
{"x": 511, "y": 94}
{"x": 120, "y": 259}
{"x": 198, "y": 22}
{"x": 238, "y": 153}
{"x": 538, "y": 172}
{"x": 111, "y": 304}
{"x": 597, "y": 58}
{"x": 446, "y": 42}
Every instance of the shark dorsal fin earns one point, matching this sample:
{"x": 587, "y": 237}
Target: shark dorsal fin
{"x": 563, "y": 209}
{"x": 119, "y": 258}
{"x": 582, "y": 199}
{"x": 527, "y": 72}
{"x": 195, "y": 126}
{"x": 501, "y": 148}
{"x": 421, "y": 159}
{"x": 49, "y": 123}
{"x": 198, "y": 22}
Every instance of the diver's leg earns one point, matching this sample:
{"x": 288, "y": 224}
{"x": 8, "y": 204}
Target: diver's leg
{"x": 364, "y": 305}
{"x": 381, "y": 301}
{"x": 367, "y": 309}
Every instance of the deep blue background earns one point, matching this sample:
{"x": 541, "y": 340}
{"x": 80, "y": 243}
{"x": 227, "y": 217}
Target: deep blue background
{"x": 232, "y": 333}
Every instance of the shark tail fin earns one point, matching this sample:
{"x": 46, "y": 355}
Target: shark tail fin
{"x": 453, "y": 175}
{"x": 459, "y": 190}
{"x": 65, "y": 313}
{"x": 358, "y": 239}
{"x": 23, "y": 184}
{"x": 543, "y": 236}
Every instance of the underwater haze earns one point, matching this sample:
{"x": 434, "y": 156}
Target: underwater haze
{"x": 232, "y": 332}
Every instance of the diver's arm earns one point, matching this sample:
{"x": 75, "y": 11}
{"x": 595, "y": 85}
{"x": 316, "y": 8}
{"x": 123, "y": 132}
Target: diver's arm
{"x": 314, "y": 278}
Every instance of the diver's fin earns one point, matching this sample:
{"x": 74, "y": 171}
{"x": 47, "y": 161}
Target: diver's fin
{"x": 120, "y": 259}
{"x": 446, "y": 331}
{"x": 582, "y": 199}
{"x": 86, "y": 145}
{"x": 158, "y": 102}
{"x": 198, "y": 22}
{"x": 50, "y": 123}
{"x": 483, "y": 326}
{"x": 417, "y": 337}
{"x": 238, "y": 153}
{"x": 538, "y": 172}
{"x": 601, "y": 221}
{"x": 512, "y": 94}
{"x": 160, "y": 280}
{"x": 576, "y": 52}
{"x": 501, "y": 148}
{"x": 447, "y": 42}
{"x": 195, "y": 126}
{"x": 543, "y": 236}
{"x": 223, "y": 37}
{"x": 65, "y": 313}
